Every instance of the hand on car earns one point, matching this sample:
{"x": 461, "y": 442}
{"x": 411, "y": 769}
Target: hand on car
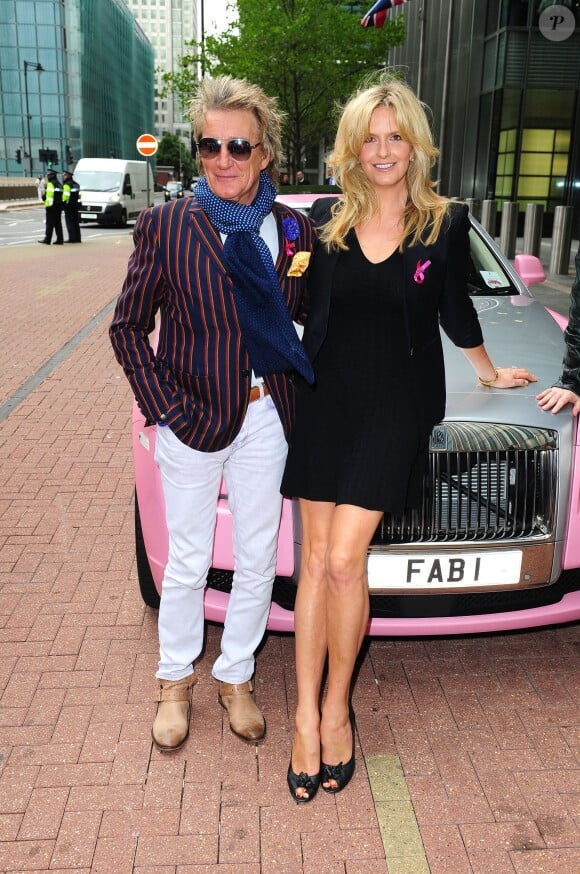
{"x": 512, "y": 377}
{"x": 555, "y": 399}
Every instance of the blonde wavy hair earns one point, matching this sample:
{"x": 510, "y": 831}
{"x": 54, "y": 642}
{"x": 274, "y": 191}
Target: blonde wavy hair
{"x": 227, "y": 93}
{"x": 425, "y": 209}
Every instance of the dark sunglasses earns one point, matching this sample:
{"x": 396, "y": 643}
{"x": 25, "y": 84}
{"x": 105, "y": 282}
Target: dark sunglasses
{"x": 239, "y": 149}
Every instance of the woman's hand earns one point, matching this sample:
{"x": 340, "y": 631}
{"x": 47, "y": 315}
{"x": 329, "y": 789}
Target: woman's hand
{"x": 509, "y": 377}
{"x": 555, "y": 399}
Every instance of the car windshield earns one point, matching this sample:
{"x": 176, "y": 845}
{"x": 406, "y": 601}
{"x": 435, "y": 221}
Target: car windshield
{"x": 486, "y": 273}
{"x": 99, "y": 180}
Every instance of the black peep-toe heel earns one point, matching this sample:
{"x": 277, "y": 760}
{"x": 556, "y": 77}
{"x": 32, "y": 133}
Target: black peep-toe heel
{"x": 309, "y": 782}
{"x": 341, "y": 774}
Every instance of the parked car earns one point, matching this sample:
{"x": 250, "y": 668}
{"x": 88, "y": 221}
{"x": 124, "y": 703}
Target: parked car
{"x": 173, "y": 191}
{"x": 495, "y": 544}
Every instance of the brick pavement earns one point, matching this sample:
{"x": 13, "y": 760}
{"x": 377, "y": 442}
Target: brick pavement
{"x": 467, "y": 748}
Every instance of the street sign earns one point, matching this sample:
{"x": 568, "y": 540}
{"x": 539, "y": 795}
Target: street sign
{"x": 147, "y": 145}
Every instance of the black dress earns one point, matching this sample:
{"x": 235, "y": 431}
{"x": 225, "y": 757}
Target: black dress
{"x": 357, "y": 438}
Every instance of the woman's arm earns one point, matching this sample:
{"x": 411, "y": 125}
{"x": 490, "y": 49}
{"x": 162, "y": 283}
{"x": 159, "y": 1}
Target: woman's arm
{"x": 567, "y": 389}
{"x": 496, "y": 377}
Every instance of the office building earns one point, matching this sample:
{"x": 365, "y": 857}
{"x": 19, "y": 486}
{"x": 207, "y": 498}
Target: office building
{"x": 76, "y": 80}
{"x": 505, "y": 99}
{"x": 169, "y": 26}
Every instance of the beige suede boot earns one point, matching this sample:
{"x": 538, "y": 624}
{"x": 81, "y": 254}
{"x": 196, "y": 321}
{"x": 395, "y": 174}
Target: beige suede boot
{"x": 171, "y": 726}
{"x": 246, "y": 720}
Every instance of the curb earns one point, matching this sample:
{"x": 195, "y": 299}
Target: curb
{"x": 19, "y": 204}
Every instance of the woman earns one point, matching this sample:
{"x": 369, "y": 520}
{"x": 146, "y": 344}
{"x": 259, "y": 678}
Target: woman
{"x": 392, "y": 262}
{"x": 567, "y": 389}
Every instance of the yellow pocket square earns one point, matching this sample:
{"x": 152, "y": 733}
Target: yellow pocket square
{"x": 299, "y": 264}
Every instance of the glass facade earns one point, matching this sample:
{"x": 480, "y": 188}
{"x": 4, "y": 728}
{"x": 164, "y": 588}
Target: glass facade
{"x": 505, "y": 99}
{"x": 533, "y": 83}
{"x": 76, "y": 80}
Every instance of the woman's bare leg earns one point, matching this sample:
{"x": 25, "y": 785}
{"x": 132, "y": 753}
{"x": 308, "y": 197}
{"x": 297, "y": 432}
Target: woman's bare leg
{"x": 347, "y": 614}
{"x": 310, "y": 635}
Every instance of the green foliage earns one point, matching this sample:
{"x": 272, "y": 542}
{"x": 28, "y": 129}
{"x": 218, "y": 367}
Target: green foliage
{"x": 170, "y": 154}
{"x": 311, "y": 54}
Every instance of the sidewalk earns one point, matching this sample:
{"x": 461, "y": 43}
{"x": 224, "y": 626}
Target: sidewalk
{"x": 467, "y": 748}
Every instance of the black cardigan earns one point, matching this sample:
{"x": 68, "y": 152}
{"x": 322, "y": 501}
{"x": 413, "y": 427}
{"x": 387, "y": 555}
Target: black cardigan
{"x": 442, "y": 298}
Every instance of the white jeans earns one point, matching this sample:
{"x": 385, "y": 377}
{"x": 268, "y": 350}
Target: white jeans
{"x": 252, "y": 468}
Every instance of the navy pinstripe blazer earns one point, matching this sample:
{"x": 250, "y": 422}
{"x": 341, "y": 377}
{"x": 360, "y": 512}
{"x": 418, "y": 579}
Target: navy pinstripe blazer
{"x": 199, "y": 375}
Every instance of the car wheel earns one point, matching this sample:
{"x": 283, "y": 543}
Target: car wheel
{"x": 147, "y": 587}
{"x": 123, "y": 219}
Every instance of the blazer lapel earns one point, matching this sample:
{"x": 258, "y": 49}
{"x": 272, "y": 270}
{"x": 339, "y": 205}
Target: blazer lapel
{"x": 207, "y": 234}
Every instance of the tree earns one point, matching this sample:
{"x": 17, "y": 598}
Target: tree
{"x": 172, "y": 152}
{"x": 309, "y": 53}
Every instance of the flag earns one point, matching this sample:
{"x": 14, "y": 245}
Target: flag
{"x": 376, "y": 16}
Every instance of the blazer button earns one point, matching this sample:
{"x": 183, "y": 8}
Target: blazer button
{"x": 245, "y": 372}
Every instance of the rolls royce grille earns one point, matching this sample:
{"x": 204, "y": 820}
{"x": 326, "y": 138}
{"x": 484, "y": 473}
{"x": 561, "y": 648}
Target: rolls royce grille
{"x": 484, "y": 482}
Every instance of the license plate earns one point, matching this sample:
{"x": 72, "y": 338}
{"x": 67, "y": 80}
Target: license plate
{"x": 86, "y": 215}
{"x": 445, "y": 570}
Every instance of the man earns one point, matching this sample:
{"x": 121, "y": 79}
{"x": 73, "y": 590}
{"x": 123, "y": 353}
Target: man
{"x": 219, "y": 269}
{"x": 40, "y": 186}
{"x": 53, "y": 210}
{"x": 70, "y": 201}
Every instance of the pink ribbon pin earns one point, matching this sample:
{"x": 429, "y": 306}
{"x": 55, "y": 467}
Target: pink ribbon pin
{"x": 419, "y": 276}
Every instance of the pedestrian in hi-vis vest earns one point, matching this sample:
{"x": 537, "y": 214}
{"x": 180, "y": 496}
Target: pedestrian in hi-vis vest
{"x": 70, "y": 201}
{"x": 53, "y": 209}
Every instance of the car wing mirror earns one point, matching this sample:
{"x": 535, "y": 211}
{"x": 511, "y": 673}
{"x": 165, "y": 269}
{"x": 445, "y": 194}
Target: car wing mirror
{"x": 529, "y": 269}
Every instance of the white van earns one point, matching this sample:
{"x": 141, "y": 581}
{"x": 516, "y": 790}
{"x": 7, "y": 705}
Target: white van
{"x": 113, "y": 190}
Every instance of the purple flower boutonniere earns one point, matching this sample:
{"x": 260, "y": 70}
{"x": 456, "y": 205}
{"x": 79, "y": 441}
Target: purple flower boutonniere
{"x": 291, "y": 231}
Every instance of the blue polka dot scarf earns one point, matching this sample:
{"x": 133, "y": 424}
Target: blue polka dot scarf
{"x": 268, "y": 332}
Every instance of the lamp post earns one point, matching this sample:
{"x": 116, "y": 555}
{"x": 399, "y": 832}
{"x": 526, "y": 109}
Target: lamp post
{"x": 35, "y": 65}
{"x": 202, "y": 40}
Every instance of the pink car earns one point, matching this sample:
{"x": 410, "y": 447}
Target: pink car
{"x": 496, "y": 542}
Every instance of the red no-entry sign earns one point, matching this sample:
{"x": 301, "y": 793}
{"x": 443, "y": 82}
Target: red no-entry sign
{"x": 147, "y": 145}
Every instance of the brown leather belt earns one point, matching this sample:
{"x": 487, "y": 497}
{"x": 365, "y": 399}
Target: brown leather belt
{"x": 259, "y": 391}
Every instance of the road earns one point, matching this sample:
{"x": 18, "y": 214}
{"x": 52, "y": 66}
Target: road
{"x": 19, "y": 227}
{"x": 23, "y": 226}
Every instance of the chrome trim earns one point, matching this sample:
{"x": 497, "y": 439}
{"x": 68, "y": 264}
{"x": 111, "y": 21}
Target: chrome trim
{"x": 485, "y": 482}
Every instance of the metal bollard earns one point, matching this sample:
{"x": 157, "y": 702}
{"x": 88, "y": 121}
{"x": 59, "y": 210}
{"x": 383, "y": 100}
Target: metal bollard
{"x": 489, "y": 216}
{"x": 474, "y": 207}
{"x": 561, "y": 240}
{"x": 509, "y": 228}
{"x": 533, "y": 228}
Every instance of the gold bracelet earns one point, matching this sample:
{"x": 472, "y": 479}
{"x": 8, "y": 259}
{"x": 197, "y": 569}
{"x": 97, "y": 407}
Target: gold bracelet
{"x": 488, "y": 382}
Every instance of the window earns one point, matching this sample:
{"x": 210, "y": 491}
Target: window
{"x": 543, "y": 165}
{"x": 506, "y": 154}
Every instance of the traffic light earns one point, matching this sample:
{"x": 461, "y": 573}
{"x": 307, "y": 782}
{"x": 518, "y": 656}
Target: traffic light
{"x": 19, "y": 156}
{"x": 69, "y": 155}
{"x": 48, "y": 156}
